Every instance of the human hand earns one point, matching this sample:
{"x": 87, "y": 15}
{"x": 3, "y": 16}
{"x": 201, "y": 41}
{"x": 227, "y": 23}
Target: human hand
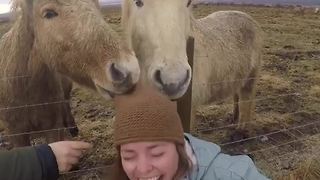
{"x": 68, "y": 153}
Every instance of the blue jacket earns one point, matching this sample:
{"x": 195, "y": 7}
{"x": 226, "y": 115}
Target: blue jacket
{"x": 214, "y": 165}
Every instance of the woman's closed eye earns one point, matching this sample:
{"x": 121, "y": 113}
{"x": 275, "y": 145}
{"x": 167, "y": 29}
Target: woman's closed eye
{"x": 158, "y": 154}
{"x": 128, "y": 158}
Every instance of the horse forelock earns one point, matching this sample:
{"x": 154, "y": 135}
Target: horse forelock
{"x": 22, "y": 8}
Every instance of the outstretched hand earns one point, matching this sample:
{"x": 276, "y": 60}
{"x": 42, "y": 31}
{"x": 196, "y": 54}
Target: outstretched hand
{"x": 68, "y": 153}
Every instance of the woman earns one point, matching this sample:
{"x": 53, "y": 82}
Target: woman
{"x": 152, "y": 146}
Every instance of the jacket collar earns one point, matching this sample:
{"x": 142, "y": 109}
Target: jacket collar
{"x": 205, "y": 153}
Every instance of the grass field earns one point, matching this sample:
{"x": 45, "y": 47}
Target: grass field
{"x": 285, "y": 134}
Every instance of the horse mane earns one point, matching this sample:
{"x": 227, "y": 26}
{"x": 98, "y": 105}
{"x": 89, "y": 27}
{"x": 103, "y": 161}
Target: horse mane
{"x": 17, "y": 43}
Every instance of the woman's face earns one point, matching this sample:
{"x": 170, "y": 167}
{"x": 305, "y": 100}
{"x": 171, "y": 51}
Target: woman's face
{"x": 149, "y": 160}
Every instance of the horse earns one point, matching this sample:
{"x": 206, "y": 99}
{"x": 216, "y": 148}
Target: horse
{"x": 227, "y": 52}
{"x": 51, "y": 44}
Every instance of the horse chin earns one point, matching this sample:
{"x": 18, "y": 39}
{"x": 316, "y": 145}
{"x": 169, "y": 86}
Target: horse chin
{"x": 175, "y": 95}
{"x": 107, "y": 94}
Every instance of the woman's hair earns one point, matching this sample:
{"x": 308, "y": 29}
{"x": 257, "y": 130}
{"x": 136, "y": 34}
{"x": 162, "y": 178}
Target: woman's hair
{"x": 184, "y": 165}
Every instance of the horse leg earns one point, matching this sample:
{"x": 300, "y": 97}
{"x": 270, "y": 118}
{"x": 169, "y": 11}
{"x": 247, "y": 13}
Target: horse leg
{"x": 19, "y": 139}
{"x": 69, "y": 122}
{"x": 57, "y": 132}
{"x": 245, "y": 108}
{"x": 68, "y": 118}
{"x": 247, "y": 103}
{"x": 235, "y": 118}
{"x": 55, "y": 135}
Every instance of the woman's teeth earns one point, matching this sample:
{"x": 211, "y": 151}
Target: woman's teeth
{"x": 150, "y": 178}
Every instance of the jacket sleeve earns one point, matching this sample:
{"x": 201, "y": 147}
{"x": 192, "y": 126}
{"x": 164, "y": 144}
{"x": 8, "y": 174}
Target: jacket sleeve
{"x": 28, "y": 163}
{"x": 226, "y": 167}
{"x": 48, "y": 162}
{"x": 20, "y": 164}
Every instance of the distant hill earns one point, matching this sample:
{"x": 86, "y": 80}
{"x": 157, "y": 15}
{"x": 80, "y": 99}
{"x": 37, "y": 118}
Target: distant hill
{"x": 109, "y": 2}
{"x": 268, "y": 2}
{"x": 4, "y": 17}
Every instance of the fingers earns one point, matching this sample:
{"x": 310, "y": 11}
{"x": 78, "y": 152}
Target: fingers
{"x": 65, "y": 168}
{"x": 68, "y": 153}
{"x": 80, "y": 145}
{"x": 75, "y": 153}
{"x": 73, "y": 160}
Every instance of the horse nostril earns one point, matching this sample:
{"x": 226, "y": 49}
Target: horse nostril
{"x": 116, "y": 74}
{"x": 157, "y": 77}
{"x": 171, "y": 88}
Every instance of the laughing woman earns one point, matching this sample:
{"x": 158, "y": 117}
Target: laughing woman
{"x": 152, "y": 146}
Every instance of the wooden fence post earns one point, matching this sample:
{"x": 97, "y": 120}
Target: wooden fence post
{"x": 185, "y": 102}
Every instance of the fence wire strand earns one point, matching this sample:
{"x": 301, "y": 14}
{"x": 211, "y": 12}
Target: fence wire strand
{"x": 244, "y": 123}
{"x": 272, "y": 133}
{"x": 85, "y": 170}
{"x": 14, "y": 77}
{"x": 37, "y": 132}
{"x": 34, "y": 105}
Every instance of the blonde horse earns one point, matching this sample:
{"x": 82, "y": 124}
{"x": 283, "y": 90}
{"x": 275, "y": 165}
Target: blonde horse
{"x": 50, "y": 43}
{"x": 227, "y": 52}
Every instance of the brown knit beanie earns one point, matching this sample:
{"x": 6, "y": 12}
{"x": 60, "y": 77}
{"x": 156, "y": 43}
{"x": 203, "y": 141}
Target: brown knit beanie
{"x": 146, "y": 115}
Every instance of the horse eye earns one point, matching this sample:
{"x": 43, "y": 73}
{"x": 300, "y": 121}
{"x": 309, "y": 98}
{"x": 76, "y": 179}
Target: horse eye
{"x": 50, "y": 14}
{"x": 139, "y": 3}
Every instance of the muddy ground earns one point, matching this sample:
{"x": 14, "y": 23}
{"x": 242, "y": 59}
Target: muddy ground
{"x": 285, "y": 131}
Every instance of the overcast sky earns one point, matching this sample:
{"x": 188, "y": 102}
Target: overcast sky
{"x": 4, "y": 4}
{"x": 7, "y": 1}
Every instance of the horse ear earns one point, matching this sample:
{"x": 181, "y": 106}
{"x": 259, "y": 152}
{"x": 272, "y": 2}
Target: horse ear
{"x": 189, "y": 3}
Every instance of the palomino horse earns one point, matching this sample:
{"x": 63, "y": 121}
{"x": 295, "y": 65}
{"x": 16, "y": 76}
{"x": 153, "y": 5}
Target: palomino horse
{"x": 49, "y": 44}
{"x": 227, "y": 52}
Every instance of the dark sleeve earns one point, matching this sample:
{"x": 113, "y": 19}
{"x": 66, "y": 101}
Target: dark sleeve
{"x": 48, "y": 162}
{"x": 20, "y": 164}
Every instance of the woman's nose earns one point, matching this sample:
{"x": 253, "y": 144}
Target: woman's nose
{"x": 144, "y": 166}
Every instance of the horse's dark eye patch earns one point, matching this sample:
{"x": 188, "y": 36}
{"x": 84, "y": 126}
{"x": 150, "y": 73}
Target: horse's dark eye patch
{"x": 49, "y": 14}
{"x": 139, "y": 3}
{"x": 189, "y": 3}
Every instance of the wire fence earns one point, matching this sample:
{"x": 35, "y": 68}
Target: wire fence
{"x": 268, "y": 135}
{"x": 14, "y": 77}
{"x": 287, "y": 130}
{"x": 244, "y": 123}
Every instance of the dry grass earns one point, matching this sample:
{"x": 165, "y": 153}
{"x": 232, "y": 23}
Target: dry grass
{"x": 290, "y": 65}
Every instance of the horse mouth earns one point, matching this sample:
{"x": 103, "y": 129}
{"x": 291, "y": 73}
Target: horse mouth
{"x": 104, "y": 91}
{"x": 176, "y": 90}
{"x": 112, "y": 94}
